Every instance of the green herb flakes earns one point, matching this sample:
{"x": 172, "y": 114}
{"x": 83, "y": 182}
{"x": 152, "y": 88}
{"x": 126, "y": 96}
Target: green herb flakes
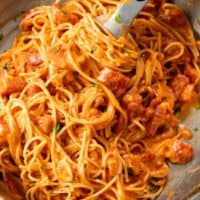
{"x": 57, "y": 128}
{"x": 56, "y": 49}
{"x": 196, "y": 129}
{"x": 197, "y": 107}
{"x": 64, "y": 11}
{"x": 95, "y": 84}
{"x": 82, "y": 27}
{"x": 5, "y": 66}
{"x": 118, "y": 18}
{"x": 127, "y": 52}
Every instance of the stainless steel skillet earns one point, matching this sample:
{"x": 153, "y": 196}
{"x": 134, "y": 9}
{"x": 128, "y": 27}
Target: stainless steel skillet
{"x": 183, "y": 180}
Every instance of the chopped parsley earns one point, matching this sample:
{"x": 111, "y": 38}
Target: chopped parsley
{"x": 57, "y": 128}
{"x": 118, "y": 18}
{"x": 119, "y": 175}
{"x": 5, "y": 66}
{"x": 85, "y": 165}
{"x": 82, "y": 88}
{"x": 95, "y": 84}
{"x": 64, "y": 11}
{"x": 128, "y": 52}
{"x": 56, "y": 49}
{"x": 1, "y": 36}
{"x": 195, "y": 129}
{"x": 197, "y": 107}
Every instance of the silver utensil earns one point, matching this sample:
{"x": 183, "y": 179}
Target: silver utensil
{"x": 123, "y": 16}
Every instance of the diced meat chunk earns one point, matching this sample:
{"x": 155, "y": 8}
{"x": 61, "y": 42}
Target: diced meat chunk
{"x": 132, "y": 102}
{"x": 178, "y": 84}
{"x": 114, "y": 80}
{"x": 162, "y": 117}
{"x": 11, "y": 85}
{"x": 181, "y": 152}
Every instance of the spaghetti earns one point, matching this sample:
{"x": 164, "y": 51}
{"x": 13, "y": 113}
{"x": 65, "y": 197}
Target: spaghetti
{"x": 84, "y": 115}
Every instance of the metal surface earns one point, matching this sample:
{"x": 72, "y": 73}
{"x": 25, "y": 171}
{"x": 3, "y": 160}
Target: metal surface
{"x": 123, "y": 16}
{"x": 183, "y": 180}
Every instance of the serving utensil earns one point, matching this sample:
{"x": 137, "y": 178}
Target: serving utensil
{"x": 123, "y": 16}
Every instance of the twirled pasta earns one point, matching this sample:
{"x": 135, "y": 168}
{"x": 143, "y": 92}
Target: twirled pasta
{"x": 85, "y": 115}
